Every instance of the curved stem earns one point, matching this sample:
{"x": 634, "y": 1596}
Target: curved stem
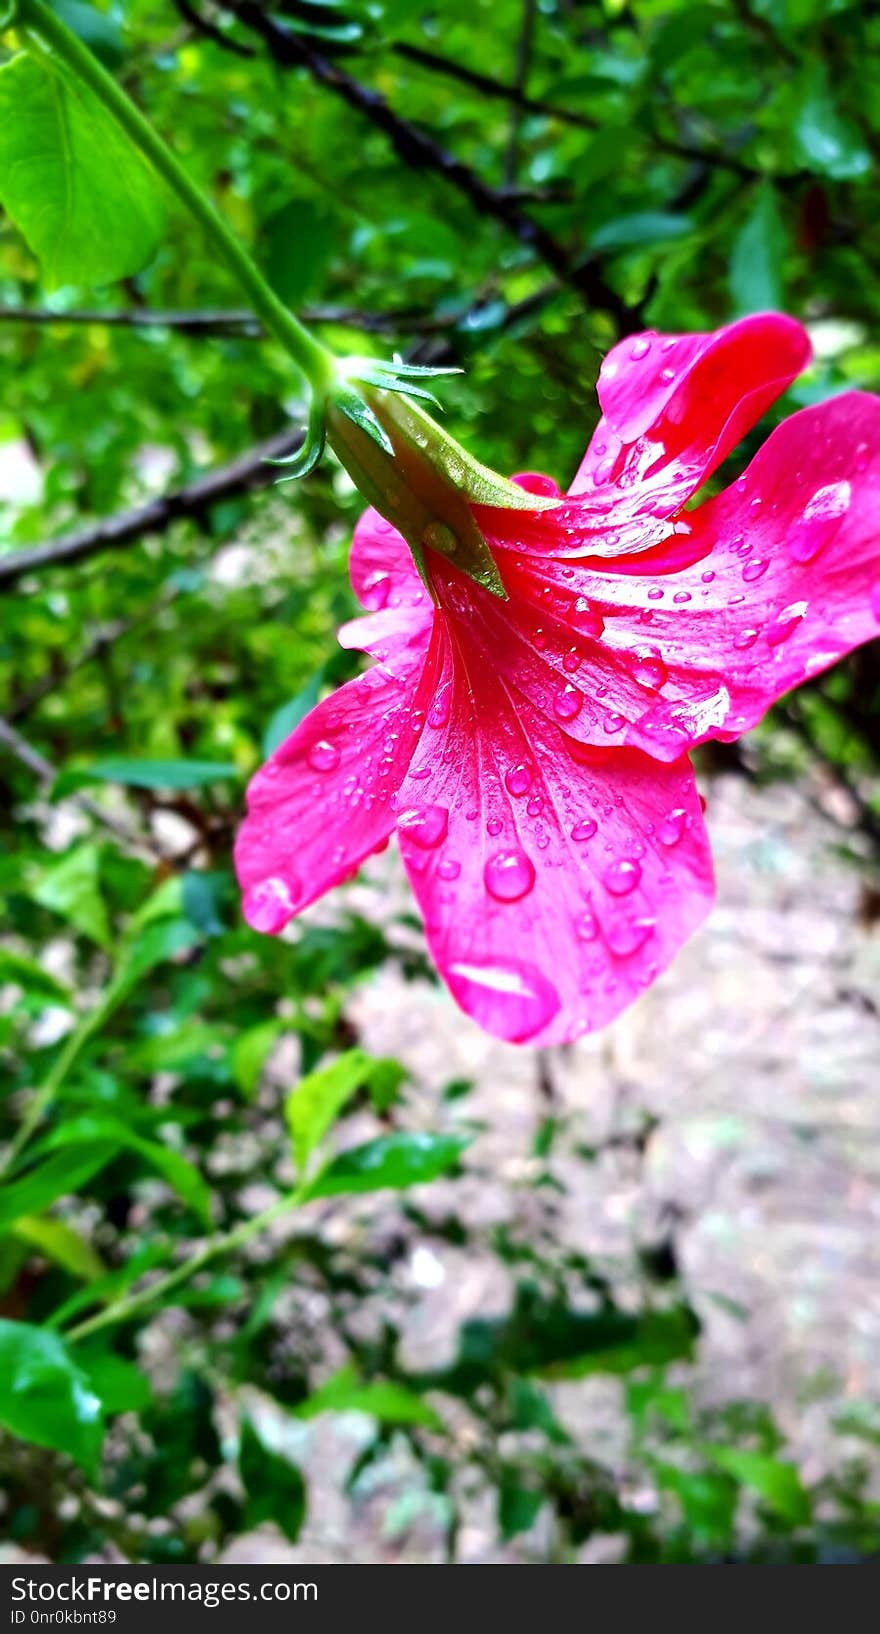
{"x": 132, "y": 1304}
{"x": 313, "y": 359}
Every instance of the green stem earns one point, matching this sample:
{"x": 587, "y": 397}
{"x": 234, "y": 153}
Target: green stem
{"x": 48, "y": 1090}
{"x": 313, "y": 359}
{"x": 129, "y": 1306}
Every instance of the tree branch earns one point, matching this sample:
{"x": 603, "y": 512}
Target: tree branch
{"x": 46, "y": 774}
{"x": 420, "y": 151}
{"x": 240, "y": 475}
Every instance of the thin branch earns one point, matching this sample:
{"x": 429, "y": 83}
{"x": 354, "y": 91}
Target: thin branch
{"x": 46, "y": 775}
{"x": 240, "y": 475}
{"x": 420, "y": 151}
{"x": 232, "y": 322}
{"x": 210, "y": 31}
{"x": 101, "y": 644}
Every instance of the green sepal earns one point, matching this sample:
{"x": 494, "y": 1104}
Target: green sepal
{"x": 352, "y": 405}
{"x": 307, "y": 456}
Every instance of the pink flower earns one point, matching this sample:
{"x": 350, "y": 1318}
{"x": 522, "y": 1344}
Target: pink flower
{"x": 532, "y": 753}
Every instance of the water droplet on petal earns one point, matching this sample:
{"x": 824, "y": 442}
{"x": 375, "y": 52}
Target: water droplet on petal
{"x": 626, "y": 936}
{"x": 755, "y": 569}
{"x": 438, "y": 714}
{"x": 823, "y": 515}
{"x": 494, "y": 826}
{"x": 585, "y": 829}
{"x": 614, "y": 723}
{"x": 622, "y": 876}
{"x": 586, "y": 926}
{"x": 375, "y": 591}
{"x": 509, "y": 875}
{"x": 323, "y": 756}
{"x": 670, "y": 831}
{"x": 744, "y": 639}
{"x": 655, "y": 593}
{"x": 518, "y": 780}
{"x": 682, "y": 596}
{"x": 535, "y": 806}
{"x": 268, "y": 905}
{"x": 567, "y": 702}
{"x": 509, "y": 997}
{"x": 449, "y": 868}
{"x": 649, "y": 669}
{"x": 707, "y": 577}
{"x": 425, "y": 826}
{"x": 639, "y": 348}
{"x": 785, "y": 623}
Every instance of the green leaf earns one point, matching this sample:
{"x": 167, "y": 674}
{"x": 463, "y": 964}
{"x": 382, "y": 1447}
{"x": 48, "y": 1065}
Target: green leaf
{"x": 59, "y": 1176}
{"x": 45, "y": 1397}
{"x": 71, "y": 889}
{"x": 88, "y": 205}
{"x": 146, "y": 774}
{"x": 383, "y": 1399}
{"x": 274, "y": 1487}
{"x": 825, "y": 142}
{"x": 31, "y": 977}
{"x": 121, "y": 1387}
{"x": 250, "y": 1053}
{"x": 393, "y": 1161}
{"x": 287, "y": 718}
{"x": 776, "y": 1482}
{"x": 299, "y": 242}
{"x": 56, "y": 1240}
{"x": 313, "y": 1107}
{"x": 181, "y": 1175}
{"x": 643, "y": 228}
{"x": 757, "y": 258}
{"x": 518, "y": 1505}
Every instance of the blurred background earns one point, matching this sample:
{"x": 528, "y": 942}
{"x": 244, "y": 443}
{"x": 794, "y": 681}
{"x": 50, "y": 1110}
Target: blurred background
{"x": 638, "y": 1319}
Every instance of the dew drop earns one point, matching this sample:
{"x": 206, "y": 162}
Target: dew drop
{"x": 639, "y": 348}
{"x": 571, "y": 662}
{"x": 622, "y": 876}
{"x": 655, "y": 593}
{"x": 586, "y": 926}
{"x": 439, "y": 712}
{"x": 670, "y": 831}
{"x": 268, "y": 905}
{"x": 614, "y": 723}
{"x": 494, "y": 826}
{"x": 744, "y": 639}
{"x": 585, "y": 829}
{"x": 509, "y": 997}
{"x": 323, "y": 756}
{"x": 518, "y": 780}
{"x": 785, "y": 623}
{"x": 681, "y": 596}
{"x": 448, "y": 869}
{"x": 649, "y": 669}
{"x": 509, "y": 875}
{"x": 375, "y": 591}
{"x": 755, "y": 569}
{"x": 707, "y": 577}
{"x": 535, "y": 806}
{"x": 628, "y": 935}
{"x": 567, "y": 702}
{"x": 425, "y": 826}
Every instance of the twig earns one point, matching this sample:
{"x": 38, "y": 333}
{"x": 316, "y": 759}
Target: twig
{"x": 420, "y": 151}
{"x": 241, "y": 475}
{"x": 46, "y": 774}
{"x": 201, "y": 25}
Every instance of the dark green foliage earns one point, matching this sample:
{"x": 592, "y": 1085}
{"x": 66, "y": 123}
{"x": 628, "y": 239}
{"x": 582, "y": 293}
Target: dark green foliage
{"x": 663, "y": 164}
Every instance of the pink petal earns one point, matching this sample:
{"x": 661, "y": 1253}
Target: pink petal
{"x": 555, "y": 883}
{"x": 675, "y": 405}
{"x": 385, "y": 580}
{"x": 322, "y": 803}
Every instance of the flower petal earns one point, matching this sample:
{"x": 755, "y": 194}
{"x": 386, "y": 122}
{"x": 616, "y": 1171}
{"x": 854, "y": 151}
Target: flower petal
{"x": 386, "y": 582}
{"x": 776, "y": 579}
{"x": 675, "y": 405}
{"x": 556, "y": 883}
{"x": 322, "y": 803}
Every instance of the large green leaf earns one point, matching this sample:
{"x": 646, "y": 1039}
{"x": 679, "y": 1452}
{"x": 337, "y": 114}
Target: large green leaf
{"x": 58, "y": 1241}
{"x": 318, "y": 1099}
{"x": 392, "y": 1161}
{"x": 59, "y": 1176}
{"x": 95, "y": 1130}
{"x": 774, "y": 1480}
{"x": 44, "y": 1395}
{"x": 146, "y": 774}
{"x": 275, "y": 1488}
{"x": 383, "y": 1399}
{"x": 758, "y": 257}
{"x": 71, "y": 888}
{"x": 88, "y": 205}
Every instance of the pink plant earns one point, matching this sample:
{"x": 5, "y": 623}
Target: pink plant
{"x": 531, "y": 753}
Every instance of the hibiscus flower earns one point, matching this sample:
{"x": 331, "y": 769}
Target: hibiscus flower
{"x": 531, "y": 753}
